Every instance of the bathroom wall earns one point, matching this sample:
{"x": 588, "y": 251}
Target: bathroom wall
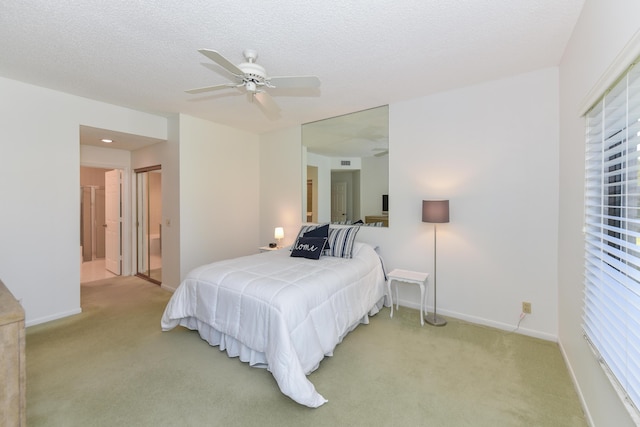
{"x": 92, "y": 241}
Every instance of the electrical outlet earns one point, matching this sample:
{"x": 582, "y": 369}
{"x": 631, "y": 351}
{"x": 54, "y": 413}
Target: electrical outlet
{"x": 526, "y": 307}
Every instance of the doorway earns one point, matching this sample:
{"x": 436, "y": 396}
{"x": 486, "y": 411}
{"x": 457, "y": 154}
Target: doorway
{"x": 149, "y": 223}
{"x": 339, "y": 202}
{"x": 100, "y": 254}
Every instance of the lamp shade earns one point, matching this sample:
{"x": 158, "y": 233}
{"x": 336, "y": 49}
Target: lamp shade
{"x": 278, "y": 233}
{"x": 435, "y": 211}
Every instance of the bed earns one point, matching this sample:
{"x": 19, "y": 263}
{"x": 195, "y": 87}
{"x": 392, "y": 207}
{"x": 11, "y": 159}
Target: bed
{"x": 281, "y": 312}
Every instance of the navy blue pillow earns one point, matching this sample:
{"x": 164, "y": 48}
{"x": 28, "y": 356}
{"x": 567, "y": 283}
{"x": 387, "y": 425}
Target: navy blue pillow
{"x": 309, "y": 247}
{"x": 320, "y": 231}
{"x": 303, "y": 229}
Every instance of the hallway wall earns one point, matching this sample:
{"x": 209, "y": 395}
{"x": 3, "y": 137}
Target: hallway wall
{"x": 40, "y": 128}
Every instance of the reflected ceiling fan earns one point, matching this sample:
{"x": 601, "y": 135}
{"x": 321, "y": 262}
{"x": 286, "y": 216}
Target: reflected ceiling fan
{"x": 254, "y": 79}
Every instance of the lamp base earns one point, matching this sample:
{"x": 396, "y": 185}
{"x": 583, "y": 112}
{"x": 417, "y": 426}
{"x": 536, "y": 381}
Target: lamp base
{"x": 434, "y": 320}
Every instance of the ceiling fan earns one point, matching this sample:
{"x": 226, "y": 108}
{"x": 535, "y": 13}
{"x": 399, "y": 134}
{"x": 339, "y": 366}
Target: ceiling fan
{"x": 254, "y": 79}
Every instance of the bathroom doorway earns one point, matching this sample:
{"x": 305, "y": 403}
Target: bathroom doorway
{"x": 149, "y": 223}
{"x": 93, "y": 225}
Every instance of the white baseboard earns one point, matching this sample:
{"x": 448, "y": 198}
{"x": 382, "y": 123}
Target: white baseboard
{"x": 167, "y": 288}
{"x": 487, "y": 322}
{"x": 56, "y": 316}
{"x": 576, "y": 385}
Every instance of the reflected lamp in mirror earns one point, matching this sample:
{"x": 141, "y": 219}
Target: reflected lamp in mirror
{"x": 278, "y": 234}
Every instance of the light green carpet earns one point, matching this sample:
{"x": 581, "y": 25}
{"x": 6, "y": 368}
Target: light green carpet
{"x": 112, "y": 366}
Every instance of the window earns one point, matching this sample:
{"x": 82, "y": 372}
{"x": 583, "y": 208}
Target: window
{"x": 612, "y": 235}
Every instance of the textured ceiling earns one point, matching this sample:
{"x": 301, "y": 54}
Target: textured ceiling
{"x": 143, "y": 54}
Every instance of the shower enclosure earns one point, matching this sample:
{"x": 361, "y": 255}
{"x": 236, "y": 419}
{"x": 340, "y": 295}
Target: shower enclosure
{"x": 149, "y": 223}
{"x": 92, "y": 231}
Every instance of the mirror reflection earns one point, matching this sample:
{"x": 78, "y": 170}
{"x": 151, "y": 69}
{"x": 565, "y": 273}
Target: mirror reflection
{"x": 149, "y": 223}
{"x": 346, "y": 169}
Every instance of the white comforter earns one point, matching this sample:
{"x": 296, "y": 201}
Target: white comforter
{"x": 286, "y": 313}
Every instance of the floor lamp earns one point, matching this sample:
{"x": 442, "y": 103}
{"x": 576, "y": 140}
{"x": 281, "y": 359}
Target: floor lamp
{"x": 435, "y": 211}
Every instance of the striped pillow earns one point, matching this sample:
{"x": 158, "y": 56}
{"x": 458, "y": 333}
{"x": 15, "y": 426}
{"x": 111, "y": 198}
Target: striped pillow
{"x": 341, "y": 241}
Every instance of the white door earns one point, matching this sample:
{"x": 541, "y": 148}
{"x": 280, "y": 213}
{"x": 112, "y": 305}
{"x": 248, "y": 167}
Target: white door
{"x": 113, "y": 233}
{"x": 338, "y": 201}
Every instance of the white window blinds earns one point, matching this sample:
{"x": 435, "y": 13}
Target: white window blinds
{"x": 612, "y": 235}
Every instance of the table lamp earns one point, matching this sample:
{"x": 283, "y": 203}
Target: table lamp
{"x": 278, "y": 234}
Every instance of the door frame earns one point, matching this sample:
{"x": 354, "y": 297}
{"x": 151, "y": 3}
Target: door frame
{"x": 113, "y": 220}
{"x": 339, "y": 198}
{"x": 134, "y": 179}
{"x": 127, "y": 212}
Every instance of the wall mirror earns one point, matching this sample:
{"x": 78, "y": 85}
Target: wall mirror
{"x": 345, "y": 169}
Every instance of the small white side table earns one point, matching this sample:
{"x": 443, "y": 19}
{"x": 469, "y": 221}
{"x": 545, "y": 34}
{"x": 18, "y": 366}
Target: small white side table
{"x": 268, "y": 249}
{"x": 408, "y": 276}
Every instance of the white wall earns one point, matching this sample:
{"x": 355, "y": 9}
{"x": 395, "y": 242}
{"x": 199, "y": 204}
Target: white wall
{"x": 280, "y": 184}
{"x": 39, "y": 184}
{"x": 603, "y": 31}
{"x": 219, "y": 192}
{"x": 166, "y": 154}
{"x": 492, "y": 149}
{"x": 106, "y": 158}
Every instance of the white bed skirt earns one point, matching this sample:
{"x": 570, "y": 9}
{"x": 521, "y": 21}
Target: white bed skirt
{"x": 257, "y": 359}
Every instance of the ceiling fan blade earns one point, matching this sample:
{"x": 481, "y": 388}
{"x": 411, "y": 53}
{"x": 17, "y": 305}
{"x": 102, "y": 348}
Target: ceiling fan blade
{"x": 210, "y": 88}
{"x": 294, "y": 81}
{"x": 267, "y": 103}
{"x": 221, "y": 61}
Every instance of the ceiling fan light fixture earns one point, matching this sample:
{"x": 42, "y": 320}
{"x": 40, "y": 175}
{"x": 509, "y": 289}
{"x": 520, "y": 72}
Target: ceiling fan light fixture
{"x": 253, "y": 70}
{"x": 253, "y": 77}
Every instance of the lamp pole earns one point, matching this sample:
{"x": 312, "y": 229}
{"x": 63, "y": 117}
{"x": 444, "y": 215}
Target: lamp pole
{"x": 435, "y": 211}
